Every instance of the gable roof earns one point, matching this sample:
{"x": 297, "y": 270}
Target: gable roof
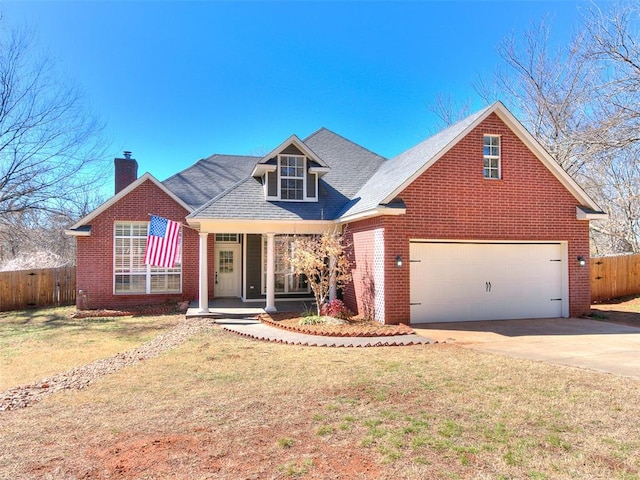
{"x": 259, "y": 169}
{"x": 80, "y": 228}
{"x": 354, "y": 182}
{"x": 397, "y": 173}
{"x": 350, "y": 166}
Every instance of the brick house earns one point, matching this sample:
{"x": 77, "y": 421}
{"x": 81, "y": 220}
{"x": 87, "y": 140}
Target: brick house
{"x": 478, "y": 222}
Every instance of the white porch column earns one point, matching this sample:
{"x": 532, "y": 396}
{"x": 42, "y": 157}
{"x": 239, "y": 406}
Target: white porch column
{"x": 333, "y": 291}
{"x": 271, "y": 273}
{"x": 204, "y": 270}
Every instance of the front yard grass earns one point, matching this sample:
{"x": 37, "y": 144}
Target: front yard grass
{"x": 35, "y": 344}
{"x": 221, "y": 406}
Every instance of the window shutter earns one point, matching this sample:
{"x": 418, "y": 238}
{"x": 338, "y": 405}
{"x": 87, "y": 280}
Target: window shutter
{"x": 311, "y": 185}
{"x": 272, "y": 184}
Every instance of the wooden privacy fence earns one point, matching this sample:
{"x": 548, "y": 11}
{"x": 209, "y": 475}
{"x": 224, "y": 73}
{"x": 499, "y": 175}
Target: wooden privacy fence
{"x": 613, "y": 277}
{"x": 37, "y": 288}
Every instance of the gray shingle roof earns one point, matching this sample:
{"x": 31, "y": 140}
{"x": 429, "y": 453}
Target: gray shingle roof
{"x": 245, "y": 201}
{"x": 395, "y": 172}
{"x": 209, "y": 177}
{"x": 350, "y": 167}
{"x": 359, "y": 180}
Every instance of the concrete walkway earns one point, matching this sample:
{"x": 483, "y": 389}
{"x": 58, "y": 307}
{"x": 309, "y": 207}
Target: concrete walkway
{"x": 254, "y": 329}
{"x": 240, "y": 317}
{"x": 575, "y": 342}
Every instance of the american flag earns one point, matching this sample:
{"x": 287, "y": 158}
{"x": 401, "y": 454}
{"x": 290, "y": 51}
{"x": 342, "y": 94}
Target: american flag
{"x": 162, "y": 242}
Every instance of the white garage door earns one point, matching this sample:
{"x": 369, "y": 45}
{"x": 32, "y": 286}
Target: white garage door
{"x": 486, "y": 281}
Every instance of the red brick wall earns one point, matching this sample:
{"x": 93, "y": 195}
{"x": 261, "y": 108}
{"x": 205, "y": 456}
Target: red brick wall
{"x": 94, "y": 274}
{"x": 358, "y": 295}
{"x": 452, "y": 200}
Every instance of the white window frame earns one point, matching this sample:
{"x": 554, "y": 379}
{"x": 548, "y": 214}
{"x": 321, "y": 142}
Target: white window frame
{"x": 285, "y": 157}
{"x": 227, "y": 238}
{"x": 286, "y": 273}
{"x": 138, "y": 231}
{"x": 490, "y": 157}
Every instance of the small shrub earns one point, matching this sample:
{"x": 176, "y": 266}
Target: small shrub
{"x": 311, "y": 320}
{"x": 337, "y": 309}
{"x": 323, "y": 320}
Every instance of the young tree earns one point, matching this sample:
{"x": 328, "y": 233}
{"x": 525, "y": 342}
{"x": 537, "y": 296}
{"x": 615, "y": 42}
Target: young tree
{"x": 323, "y": 260}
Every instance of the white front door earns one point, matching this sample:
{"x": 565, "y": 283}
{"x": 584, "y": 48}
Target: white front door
{"x": 227, "y": 273}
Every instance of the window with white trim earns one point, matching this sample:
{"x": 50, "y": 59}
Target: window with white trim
{"x": 131, "y": 275}
{"x": 491, "y": 153}
{"x": 226, "y": 237}
{"x": 292, "y": 177}
{"x": 285, "y": 280}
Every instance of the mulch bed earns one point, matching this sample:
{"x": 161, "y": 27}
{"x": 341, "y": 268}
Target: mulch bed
{"x": 356, "y": 327}
{"x": 164, "y": 309}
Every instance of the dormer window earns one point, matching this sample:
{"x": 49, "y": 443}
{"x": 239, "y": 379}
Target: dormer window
{"x": 291, "y": 172}
{"x": 292, "y": 177}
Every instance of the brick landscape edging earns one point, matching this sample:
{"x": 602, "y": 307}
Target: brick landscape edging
{"x": 402, "y": 329}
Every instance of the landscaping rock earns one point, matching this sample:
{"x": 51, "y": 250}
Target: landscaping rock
{"x": 81, "y": 377}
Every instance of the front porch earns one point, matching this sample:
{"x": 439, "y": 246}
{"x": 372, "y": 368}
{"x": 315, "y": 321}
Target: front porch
{"x": 235, "y": 308}
{"x": 248, "y": 264}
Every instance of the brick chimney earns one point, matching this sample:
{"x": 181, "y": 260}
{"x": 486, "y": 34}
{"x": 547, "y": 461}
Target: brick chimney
{"x": 126, "y": 170}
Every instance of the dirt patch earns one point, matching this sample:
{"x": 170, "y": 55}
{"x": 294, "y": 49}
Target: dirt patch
{"x": 624, "y": 311}
{"x": 357, "y": 327}
{"x": 157, "y": 454}
{"x": 205, "y": 453}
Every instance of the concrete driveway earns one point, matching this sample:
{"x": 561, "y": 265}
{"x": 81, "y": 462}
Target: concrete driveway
{"x": 574, "y": 342}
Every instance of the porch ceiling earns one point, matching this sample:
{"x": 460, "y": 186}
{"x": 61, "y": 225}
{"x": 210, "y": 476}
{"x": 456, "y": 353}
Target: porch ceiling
{"x": 261, "y": 226}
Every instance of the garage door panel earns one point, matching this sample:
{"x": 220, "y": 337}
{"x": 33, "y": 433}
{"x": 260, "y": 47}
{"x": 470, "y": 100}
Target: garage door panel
{"x": 477, "y": 281}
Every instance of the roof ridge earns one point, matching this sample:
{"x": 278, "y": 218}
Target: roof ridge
{"x": 228, "y": 155}
{"x": 398, "y": 178}
{"x": 346, "y": 140}
{"x": 315, "y": 133}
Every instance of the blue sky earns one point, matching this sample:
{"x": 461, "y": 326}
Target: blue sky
{"x": 178, "y": 81}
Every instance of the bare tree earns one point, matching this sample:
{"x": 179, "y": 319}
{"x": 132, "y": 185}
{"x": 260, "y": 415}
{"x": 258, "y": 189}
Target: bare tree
{"x": 449, "y": 110}
{"x": 50, "y": 145}
{"x": 614, "y": 42}
{"x": 52, "y": 158}
{"x": 582, "y": 102}
{"x": 552, "y": 91}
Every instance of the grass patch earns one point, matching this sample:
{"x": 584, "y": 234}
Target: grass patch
{"x": 296, "y": 469}
{"x": 284, "y": 442}
{"x": 53, "y": 341}
{"x": 224, "y": 406}
{"x": 324, "y": 430}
